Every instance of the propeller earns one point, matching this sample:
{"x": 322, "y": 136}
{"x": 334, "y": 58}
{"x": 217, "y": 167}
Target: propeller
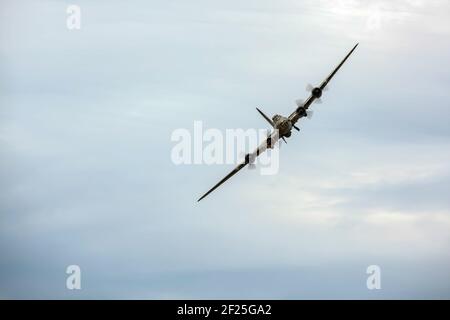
{"x": 309, "y": 114}
{"x": 299, "y": 102}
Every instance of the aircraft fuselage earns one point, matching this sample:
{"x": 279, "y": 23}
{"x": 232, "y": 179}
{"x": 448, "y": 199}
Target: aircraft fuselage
{"x": 283, "y": 124}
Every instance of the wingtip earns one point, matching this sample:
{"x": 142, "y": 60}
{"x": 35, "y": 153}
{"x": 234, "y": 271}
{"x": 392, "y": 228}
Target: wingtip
{"x": 354, "y": 48}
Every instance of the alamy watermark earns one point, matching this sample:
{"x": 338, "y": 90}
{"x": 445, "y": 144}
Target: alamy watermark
{"x": 374, "y": 278}
{"x": 213, "y": 146}
{"x": 73, "y": 21}
{"x": 73, "y": 281}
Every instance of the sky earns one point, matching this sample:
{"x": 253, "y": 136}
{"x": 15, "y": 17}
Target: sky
{"x": 86, "y": 176}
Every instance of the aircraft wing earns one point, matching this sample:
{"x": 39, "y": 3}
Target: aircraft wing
{"x": 296, "y": 115}
{"x": 249, "y": 158}
{"x": 328, "y": 79}
{"x": 228, "y": 176}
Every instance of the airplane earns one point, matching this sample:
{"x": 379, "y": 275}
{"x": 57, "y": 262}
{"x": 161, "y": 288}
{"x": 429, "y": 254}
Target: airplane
{"x": 283, "y": 125}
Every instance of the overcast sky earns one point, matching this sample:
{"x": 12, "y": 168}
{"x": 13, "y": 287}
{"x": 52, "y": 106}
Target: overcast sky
{"x": 86, "y": 175}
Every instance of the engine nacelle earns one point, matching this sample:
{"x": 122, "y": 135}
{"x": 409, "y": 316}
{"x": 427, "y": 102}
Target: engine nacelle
{"x": 317, "y": 92}
{"x": 301, "y": 111}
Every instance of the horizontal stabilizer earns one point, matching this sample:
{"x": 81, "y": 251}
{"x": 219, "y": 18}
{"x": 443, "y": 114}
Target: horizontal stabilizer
{"x": 266, "y": 117}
